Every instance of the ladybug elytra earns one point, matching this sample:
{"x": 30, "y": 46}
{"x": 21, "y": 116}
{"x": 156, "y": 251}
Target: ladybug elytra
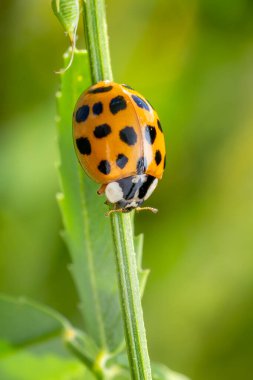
{"x": 119, "y": 142}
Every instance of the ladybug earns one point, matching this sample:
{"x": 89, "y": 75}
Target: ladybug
{"x": 119, "y": 142}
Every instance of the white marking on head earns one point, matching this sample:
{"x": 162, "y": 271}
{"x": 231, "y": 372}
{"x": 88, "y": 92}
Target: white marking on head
{"x": 151, "y": 189}
{"x": 113, "y": 192}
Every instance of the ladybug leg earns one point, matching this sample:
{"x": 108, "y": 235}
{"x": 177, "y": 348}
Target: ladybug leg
{"x": 101, "y": 190}
{"x": 138, "y": 209}
{"x": 112, "y": 211}
{"x": 152, "y": 209}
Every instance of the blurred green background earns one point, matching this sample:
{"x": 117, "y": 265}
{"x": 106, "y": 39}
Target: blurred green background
{"x": 194, "y": 61}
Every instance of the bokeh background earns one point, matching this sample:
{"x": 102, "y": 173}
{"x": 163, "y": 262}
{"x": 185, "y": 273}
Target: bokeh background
{"x": 194, "y": 61}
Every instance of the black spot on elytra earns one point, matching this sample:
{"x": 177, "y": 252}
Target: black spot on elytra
{"x": 150, "y": 134}
{"x": 83, "y": 145}
{"x": 146, "y": 185}
{"x": 158, "y": 157}
{"x": 102, "y": 131}
{"x": 117, "y": 104}
{"x": 164, "y": 162}
{"x": 159, "y": 125}
{"x": 104, "y": 167}
{"x": 128, "y": 135}
{"x": 127, "y": 86}
{"x": 82, "y": 113}
{"x": 99, "y": 90}
{"x": 97, "y": 108}
{"x": 121, "y": 160}
{"x": 140, "y": 102}
{"x": 141, "y": 165}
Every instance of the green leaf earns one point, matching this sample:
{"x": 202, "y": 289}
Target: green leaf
{"x": 27, "y": 366}
{"x": 67, "y": 12}
{"x": 24, "y": 323}
{"x": 142, "y": 273}
{"x": 87, "y": 230}
{"x": 161, "y": 372}
{"x": 32, "y": 343}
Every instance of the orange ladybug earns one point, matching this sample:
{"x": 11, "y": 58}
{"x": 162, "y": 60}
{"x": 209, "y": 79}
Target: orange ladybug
{"x": 119, "y": 142}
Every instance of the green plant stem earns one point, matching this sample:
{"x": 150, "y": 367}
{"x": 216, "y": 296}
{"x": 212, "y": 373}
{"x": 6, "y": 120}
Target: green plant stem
{"x": 136, "y": 343}
{"x": 95, "y": 28}
{"x": 130, "y": 297}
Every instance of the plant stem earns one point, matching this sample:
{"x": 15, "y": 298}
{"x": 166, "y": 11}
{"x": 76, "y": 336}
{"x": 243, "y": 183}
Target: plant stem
{"x": 95, "y": 28}
{"x": 130, "y": 297}
{"x": 136, "y": 343}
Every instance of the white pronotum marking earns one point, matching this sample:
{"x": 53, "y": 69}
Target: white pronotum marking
{"x": 151, "y": 189}
{"x": 113, "y": 192}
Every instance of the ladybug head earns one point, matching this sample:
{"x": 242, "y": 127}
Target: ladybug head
{"x": 130, "y": 192}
